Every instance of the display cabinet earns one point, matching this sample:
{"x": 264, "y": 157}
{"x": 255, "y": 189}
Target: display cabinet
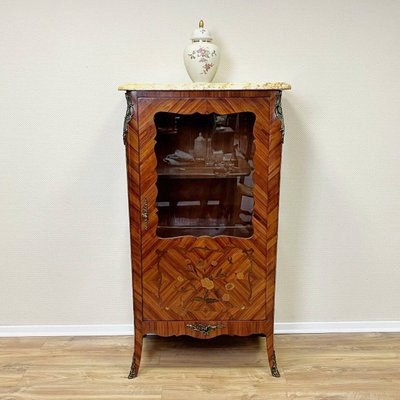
{"x": 203, "y": 165}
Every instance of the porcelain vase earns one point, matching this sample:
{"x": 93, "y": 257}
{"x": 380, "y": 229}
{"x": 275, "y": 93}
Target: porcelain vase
{"x": 201, "y": 57}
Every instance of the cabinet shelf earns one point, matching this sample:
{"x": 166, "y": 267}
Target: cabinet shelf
{"x": 175, "y": 231}
{"x": 200, "y": 170}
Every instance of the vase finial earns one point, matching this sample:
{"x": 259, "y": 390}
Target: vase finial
{"x": 201, "y": 24}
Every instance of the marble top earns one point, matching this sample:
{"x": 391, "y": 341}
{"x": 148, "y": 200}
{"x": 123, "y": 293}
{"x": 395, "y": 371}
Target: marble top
{"x": 206, "y": 86}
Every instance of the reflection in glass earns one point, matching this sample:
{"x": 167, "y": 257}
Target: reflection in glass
{"x": 204, "y": 174}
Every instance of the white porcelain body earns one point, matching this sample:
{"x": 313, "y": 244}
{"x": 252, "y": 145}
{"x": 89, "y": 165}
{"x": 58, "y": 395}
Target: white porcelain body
{"x": 201, "y": 60}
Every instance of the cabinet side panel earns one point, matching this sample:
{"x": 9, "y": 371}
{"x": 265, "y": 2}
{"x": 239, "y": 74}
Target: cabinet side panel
{"x": 132, "y": 163}
{"x": 274, "y": 167}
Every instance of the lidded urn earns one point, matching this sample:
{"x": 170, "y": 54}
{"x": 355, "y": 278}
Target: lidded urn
{"x": 201, "y": 57}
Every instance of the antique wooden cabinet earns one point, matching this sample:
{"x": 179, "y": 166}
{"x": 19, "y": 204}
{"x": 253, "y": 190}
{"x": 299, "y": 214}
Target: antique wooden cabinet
{"x": 203, "y": 164}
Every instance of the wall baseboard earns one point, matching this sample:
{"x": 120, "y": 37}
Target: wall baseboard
{"x": 66, "y": 330}
{"x": 337, "y": 327}
{"x": 127, "y": 329}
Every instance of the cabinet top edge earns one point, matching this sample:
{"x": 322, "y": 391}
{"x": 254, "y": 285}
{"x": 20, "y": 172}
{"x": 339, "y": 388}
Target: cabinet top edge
{"x": 205, "y": 86}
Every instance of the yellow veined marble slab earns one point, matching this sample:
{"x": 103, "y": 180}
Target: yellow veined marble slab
{"x": 206, "y": 86}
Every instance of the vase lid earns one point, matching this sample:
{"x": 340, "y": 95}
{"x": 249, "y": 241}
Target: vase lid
{"x": 201, "y": 33}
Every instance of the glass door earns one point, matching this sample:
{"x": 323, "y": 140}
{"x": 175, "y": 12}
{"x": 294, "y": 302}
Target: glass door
{"x": 204, "y": 174}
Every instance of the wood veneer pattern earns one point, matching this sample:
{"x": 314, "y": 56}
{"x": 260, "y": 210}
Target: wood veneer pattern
{"x": 150, "y": 316}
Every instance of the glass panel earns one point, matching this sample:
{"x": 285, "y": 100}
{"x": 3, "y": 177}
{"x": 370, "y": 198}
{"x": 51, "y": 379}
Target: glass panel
{"x": 204, "y": 174}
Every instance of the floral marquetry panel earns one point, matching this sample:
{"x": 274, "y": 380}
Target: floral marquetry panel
{"x": 202, "y": 283}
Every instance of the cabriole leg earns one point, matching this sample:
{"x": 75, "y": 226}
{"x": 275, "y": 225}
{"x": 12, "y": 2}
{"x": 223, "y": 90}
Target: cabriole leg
{"x": 137, "y": 355}
{"x": 271, "y": 357}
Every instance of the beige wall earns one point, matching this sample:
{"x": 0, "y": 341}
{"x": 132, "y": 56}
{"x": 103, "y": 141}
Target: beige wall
{"x": 63, "y": 207}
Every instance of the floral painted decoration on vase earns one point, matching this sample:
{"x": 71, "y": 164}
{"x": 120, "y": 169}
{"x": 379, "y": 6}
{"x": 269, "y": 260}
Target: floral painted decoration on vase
{"x": 201, "y": 57}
